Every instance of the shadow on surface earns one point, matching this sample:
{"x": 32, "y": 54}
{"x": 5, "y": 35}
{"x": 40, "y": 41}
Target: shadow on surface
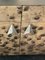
{"x": 30, "y": 57}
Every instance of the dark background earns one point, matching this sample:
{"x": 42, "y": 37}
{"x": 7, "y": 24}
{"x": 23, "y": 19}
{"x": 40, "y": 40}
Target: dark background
{"x": 22, "y": 57}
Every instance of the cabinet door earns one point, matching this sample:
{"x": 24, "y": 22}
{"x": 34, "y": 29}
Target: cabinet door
{"x": 32, "y": 30}
{"x": 10, "y": 18}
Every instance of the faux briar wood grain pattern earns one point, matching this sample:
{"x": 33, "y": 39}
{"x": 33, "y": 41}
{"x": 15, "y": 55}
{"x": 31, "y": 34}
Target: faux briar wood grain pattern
{"x": 31, "y": 43}
{"x": 9, "y": 43}
{"x": 29, "y": 24}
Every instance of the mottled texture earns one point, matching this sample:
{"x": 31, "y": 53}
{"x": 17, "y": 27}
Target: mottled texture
{"x": 21, "y": 17}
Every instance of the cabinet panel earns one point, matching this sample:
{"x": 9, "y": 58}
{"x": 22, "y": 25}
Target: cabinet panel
{"x": 32, "y": 30}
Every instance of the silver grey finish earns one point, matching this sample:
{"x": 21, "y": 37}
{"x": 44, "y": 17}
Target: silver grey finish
{"x": 22, "y": 2}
